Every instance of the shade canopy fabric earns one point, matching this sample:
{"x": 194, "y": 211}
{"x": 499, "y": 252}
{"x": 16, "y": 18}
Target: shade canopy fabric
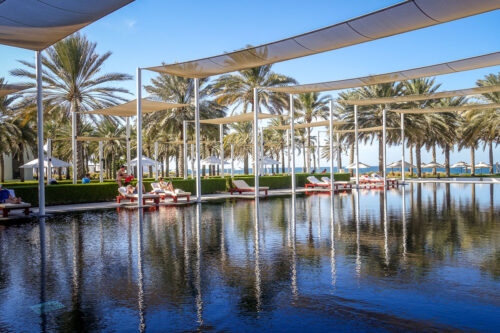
{"x": 432, "y": 165}
{"x": 361, "y": 166}
{"x": 7, "y": 89}
{"x": 36, "y": 24}
{"x": 237, "y": 118}
{"x": 367, "y": 129}
{"x": 448, "y": 109}
{"x": 93, "y": 138}
{"x": 279, "y": 127}
{"x": 411, "y": 98}
{"x": 129, "y": 109}
{"x": 146, "y": 161}
{"x": 54, "y": 162}
{"x": 482, "y": 165}
{"x": 399, "y": 18}
{"x": 461, "y": 164}
{"x": 397, "y": 164}
{"x": 486, "y": 60}
{"x": 320, "y": 123}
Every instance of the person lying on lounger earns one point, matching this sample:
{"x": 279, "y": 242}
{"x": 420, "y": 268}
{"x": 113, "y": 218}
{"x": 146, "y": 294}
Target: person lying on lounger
{"x": 6, "y": 197}
{"x": 166, "y": 186}
{"x": 133, "y": 190}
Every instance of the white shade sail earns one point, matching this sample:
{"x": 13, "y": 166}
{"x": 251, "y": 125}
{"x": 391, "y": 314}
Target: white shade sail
{"x": 411, "y": 98}
{"x": 129, "y": 109}
{"x": 486, "y": 60}
{"x": 237, "y": 118}
{"x": 36, "y": 24}
{"x": 449, "y": 109}
{"x": 146, "y": 161}
{"x": 399, "y": 18}
{"x": 55, "y": 163}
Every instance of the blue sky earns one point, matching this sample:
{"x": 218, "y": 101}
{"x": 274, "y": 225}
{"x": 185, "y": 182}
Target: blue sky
{"x": 149, "y": 32}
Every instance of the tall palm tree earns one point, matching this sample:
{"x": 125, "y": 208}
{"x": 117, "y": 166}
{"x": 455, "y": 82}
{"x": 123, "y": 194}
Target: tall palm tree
{"x": 241, "y": 137}
{"x": 73, "y": 81}
{"x": 311, "y": 107}
{"x": 170, "y": 88}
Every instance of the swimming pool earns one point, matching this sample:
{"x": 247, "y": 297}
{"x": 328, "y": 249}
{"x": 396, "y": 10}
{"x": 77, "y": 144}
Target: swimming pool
{"x": 424, "y": 259}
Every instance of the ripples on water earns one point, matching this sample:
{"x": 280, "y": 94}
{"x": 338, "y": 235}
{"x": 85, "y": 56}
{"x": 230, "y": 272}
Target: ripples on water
{"x": 425, "y": 260}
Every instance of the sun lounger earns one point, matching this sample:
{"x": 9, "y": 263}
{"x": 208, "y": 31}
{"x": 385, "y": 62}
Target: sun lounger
{"x": 7, "y": 207}
{"x": 315, "y": 182}
{"x": 123, "y": 195}
{"x": 337, "y": 185}
{"x": 169, "y": 194}
{"x": 242, "y": 186}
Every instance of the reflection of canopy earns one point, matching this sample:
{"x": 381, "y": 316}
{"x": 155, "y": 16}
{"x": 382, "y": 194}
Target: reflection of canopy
{"x": 36, "y": 25}
{"x": 393, "y": 20}
{"x": 411, "y": 98}
{"x": 6, "y": 89}
{"x": 361, "y": 166}
{"x": 238, "y": 118}
{"x": 146, "y": 161}
{"x": 482, "y": 165}
{"x": 129, "y": 109}
{"x": 398, "y": 165}
{"x": 432, "y": 165}
{"x": 55, "y": 163}
{"x": 486, "y": 60}
{"x": 449, "y": 109}
{"x": 460, "y": 164}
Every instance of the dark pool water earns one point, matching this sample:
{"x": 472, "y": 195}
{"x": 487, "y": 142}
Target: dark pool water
{"x": 427, "y": 259}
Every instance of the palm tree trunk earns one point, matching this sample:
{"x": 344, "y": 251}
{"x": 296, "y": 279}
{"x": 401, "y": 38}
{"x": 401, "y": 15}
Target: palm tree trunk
{"x": 447, "y": 159}
{"x": 472, "y": 161}
{"x": 418, "y": 156}
{"x": 434, "y": 170}
{"x": 411, "y": 160}
{"x": 177, "y": 150}
{"x": 245, "y": 164}
{"x": 2, "y": 176}
{"x": 304, "y": 168}
{"x": 80, "y": 170}
{"x": 283, "y": 159}
{"x": 351, "y": 157}
{"x": 380, "y": 154}
{"x": 309, "y": 149}
{"x": 491, "y": 157}
{"x": 181, "y": 159}
{"x": 167, "y": 168}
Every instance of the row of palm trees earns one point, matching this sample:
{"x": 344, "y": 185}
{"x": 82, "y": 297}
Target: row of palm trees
{"x": 74, "y": 83}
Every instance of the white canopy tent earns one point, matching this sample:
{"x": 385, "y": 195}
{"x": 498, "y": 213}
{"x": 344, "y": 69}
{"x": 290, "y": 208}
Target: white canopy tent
{"x": 36, "y": 25}
{"x": 55, "y": 163}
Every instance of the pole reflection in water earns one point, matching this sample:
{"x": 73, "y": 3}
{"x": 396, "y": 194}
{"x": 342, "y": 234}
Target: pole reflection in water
{"x": 185, "y": 243}
{"x": 403, "y": 199}
{"x": 258, "y": 292}
{"x": 140, "y": 271}
{"x": 358, "y": 249}
{"x": 199, "y": 299}
{"x": 319, "y": 218}
{"x": 43, "y": 295}
{"x": 222, "y": 236}
{"x": 295, "y": 289}
{"x": 77, "y": 271}
{"x": 386, "y": 229}
{"x": 332, "y": 241}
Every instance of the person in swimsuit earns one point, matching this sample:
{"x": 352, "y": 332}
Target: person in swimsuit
{"x": 6, "y": 197}
{"x": 121, "y": 175}
{"x": 166, "y": 186}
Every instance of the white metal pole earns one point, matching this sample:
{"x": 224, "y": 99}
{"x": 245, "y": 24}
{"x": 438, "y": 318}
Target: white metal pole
{"x": 356, "y": 146}
{"x": 256, "y": 142}
{"x": 384, "y": 145}
{"x": 292, "y": 139}
{"x": 156, "y": 161}
{"x": 232, "y": 160}
{"x": 101, "y": 178}
{"x": 49, "y": 160}
{"x": 288, "y": 150}
{"x": 332, "y": 160}
{"x": 221, "y": 135}
{"x": 339, "y": 153}
{"x": 193, "y": 168}
{"x": 403, "y": 147}
{"x": 184, "y": 147}
{"x": 73, "y": 144}
{"x": 139, "y": 137}
{"x": 318, "y": 152}
{"x": 262, "y": 166}
{"x": 127, "y": 129}
{"x": 39, "y": 107}
{"x": 197, "y": 125}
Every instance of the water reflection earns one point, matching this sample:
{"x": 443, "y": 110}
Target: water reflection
{"x": 426, "y": 258}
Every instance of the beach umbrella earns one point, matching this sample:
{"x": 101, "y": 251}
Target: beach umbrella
{"x": 460, "y": 165}
{"x": 397, "y": 164}
{"x": 432, "y": 165}
{"x": 146, "y": 161}
{"x": 212, "y": 160}
{"x": 269, "y": 161}
{"x": 55, "y": 163}
{"x": 361, "y": 166}
{"x": 482, "y": 165}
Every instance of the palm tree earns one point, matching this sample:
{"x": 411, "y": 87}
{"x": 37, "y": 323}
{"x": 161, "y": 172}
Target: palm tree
{"x": 170, "y": 88}
{"x": 111, "y": 148}
{"x": 73, "y": 81}
{"x": 312, "y": 107}
{"x": 9, "y": 132}
{"x": 241, "y": 137}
